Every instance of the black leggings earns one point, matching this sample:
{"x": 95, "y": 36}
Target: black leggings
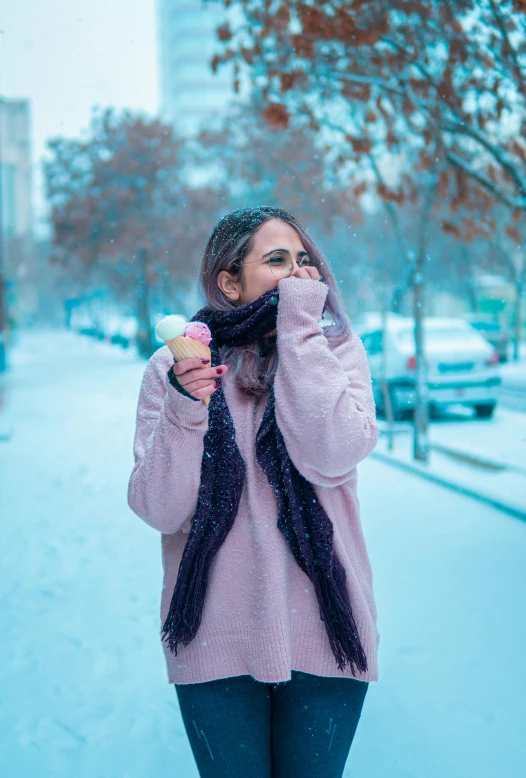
{"x": 242, "y": 727}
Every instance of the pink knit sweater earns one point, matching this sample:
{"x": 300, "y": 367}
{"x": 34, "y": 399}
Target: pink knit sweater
{"x": 260, "y": 615}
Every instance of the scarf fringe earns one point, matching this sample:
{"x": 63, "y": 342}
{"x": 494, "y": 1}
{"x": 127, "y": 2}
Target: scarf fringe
{"x": 184, "y": 615}
{"x": 336, "y": 613}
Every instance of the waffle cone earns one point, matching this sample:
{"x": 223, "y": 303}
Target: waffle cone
{"x": 187, "y": 348}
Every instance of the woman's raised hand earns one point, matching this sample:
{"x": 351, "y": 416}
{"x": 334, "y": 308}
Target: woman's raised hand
{"x": 196, "y": 379}
{"x": 309, "y": 271}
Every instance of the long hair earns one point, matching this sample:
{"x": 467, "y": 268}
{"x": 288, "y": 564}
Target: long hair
{"x": 229, "y": 243}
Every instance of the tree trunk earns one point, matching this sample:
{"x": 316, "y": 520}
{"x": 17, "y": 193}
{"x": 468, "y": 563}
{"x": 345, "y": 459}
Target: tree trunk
{"x": 3, "y": 323}
{"x": 388, "y": 407}
{"x": 421, "y": 412}
{"x": 421, "y": 415}
{"x": 398, "y": 297}
{"x": 517, "y": 328}
{"x": 469, "y": 279}
{"x": 404, "y": 283}
{"x": 144, "y": 339}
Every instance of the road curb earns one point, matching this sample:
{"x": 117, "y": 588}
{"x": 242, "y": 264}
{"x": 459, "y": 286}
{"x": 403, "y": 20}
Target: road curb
{"x": 511, "y": 510}
{"x": 477, "y": 459}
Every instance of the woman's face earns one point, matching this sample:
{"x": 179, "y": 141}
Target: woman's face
{"x": 272, "y": 236}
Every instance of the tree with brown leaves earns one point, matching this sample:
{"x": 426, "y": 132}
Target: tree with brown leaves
{"x": 122, "y": 213}
{"x": 438, "y": 85}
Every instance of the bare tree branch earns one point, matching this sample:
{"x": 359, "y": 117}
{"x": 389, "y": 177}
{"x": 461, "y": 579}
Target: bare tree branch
{"x": 497, "y": 153}
{"x": 501, "y": 24}
{"x": 485, "y": 182}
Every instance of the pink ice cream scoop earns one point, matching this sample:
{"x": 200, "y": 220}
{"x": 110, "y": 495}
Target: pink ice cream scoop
{"x": 198, "y": 331}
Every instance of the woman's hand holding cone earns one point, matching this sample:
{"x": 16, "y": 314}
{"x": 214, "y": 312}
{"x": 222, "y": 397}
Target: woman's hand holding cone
{"x": 197, "y": 379}
{"x": 189, "y": 343}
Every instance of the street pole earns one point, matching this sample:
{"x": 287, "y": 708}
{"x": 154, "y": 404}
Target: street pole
{"x": 3, "y": 263}
{"x": 3, "y": 257}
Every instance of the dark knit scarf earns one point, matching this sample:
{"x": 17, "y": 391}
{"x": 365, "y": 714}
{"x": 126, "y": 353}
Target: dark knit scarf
{"x": 301, "y": 518}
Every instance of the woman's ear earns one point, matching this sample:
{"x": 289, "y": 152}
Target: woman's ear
{"x": 228, "y": 286}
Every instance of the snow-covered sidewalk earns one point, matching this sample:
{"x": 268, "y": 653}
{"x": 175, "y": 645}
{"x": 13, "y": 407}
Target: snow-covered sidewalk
{"x": 482, "y": 458}
{"x": 514, "y": 373}
{"x": 513, "y": 387}
{"x": 84, "y": 691}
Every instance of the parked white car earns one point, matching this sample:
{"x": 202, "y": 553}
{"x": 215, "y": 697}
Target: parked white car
{"x": 463, "y": 368}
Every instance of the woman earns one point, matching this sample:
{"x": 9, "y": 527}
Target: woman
{"x": 269, "y": 620}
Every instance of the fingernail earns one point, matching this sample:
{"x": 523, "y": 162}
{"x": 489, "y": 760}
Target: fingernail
{"x": 205, "y": 361}
{"x": 219, "y": 370}
{"x": 216, "y": 384}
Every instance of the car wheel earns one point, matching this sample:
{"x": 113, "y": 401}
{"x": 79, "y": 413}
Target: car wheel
{"x": 485, "y": 411}
{"x": 433, "y": 411}
{"x": 378, "y": 400}
{"x": 399, "y": 414}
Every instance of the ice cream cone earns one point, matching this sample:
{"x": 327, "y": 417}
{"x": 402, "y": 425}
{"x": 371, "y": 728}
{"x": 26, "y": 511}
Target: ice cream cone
{"x": 186, "y": 348}
{"x": 186, "y": 339}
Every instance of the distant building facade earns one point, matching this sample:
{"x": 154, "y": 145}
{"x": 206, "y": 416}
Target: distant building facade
{"x": 191, "y": 94}
{"x": 15, "y": 162}
{"x": 17, "y": 258}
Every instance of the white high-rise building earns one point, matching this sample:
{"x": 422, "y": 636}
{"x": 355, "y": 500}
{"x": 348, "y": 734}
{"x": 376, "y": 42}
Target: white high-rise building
{"x": 18, "y": 270}
{"x": 191, "y": 94}
{"x": 15, "y": 168}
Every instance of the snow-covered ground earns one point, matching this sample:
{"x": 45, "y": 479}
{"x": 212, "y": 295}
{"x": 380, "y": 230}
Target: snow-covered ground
{"x": 501, "y": 440}
{"x": 514, "y": 373}
{"x": 487, "y": 457}
{"x": 83, "y": 685}
{"x": 513, "y": 369}
{"x": 513, "y": 388}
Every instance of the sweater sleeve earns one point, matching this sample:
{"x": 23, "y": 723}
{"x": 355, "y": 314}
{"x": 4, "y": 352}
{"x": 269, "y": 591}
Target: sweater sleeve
{"x": 168, "y": 448}
{"x": 325, "y": 408}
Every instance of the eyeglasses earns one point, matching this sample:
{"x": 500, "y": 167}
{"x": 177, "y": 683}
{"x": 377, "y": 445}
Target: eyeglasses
{"x": 281, "y": 264}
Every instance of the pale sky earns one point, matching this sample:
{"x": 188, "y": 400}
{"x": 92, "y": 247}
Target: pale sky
{"x": 66, "y": 56}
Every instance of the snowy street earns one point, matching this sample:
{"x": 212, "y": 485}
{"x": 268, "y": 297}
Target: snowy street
{"x": 84, "y": 691}
{"x": 513, "y": 388}
{"x": 485, "y": 457}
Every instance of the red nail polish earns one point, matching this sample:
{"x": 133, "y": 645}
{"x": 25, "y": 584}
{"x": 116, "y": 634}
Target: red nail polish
{"x": 216, "y": 384}
{"x": 219, "y": 370}
{"x": 205, "y": 361}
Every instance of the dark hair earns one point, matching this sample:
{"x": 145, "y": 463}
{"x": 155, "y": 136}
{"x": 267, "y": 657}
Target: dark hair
{"x": 229, "y": 243}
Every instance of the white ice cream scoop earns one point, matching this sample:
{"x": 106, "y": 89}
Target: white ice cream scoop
{"x": 170, "y": 327}
{"x": 171, "y": 330}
